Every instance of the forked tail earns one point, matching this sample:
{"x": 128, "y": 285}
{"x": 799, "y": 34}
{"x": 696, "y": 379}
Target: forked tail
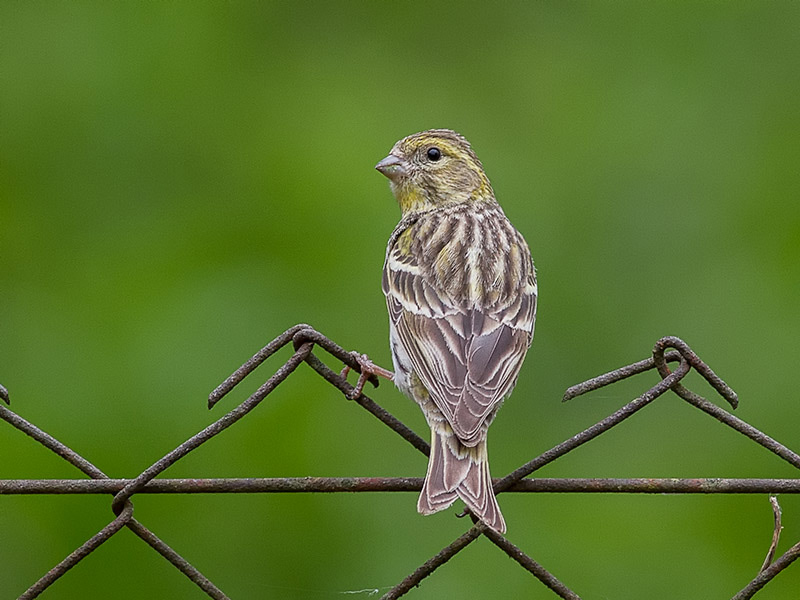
{"x": 458, "y": 471}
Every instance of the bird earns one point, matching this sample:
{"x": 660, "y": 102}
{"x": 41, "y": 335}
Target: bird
{"x": 461, "y": 293}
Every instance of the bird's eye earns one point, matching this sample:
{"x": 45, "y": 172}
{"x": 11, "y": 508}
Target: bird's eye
{"x": 434, "y": 154}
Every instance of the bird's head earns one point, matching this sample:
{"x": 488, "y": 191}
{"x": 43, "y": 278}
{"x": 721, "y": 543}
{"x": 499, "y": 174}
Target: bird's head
{"x": 435, "y": 168}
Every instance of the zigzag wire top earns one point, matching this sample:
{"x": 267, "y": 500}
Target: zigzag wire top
{"x": 304, "y": 338}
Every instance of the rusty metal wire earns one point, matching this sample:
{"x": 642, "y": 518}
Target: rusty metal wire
{"x": 275, "y": 485}
{"x": 303, "y": 339}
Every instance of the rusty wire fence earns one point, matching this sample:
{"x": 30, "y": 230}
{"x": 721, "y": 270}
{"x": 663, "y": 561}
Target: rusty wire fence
{"x": 304, "y": 340}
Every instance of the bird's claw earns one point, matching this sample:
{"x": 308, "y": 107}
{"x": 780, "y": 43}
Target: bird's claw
{"x": 369, "y": 371}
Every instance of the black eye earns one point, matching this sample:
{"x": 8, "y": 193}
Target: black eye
{"x": 434, "y": 154}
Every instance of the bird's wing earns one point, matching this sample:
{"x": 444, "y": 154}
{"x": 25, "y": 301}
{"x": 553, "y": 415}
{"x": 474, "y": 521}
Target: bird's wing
{"x": 467, "y": 357}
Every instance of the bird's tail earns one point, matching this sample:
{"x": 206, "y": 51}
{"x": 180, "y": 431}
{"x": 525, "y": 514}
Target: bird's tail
{"x": 458, "y": 471}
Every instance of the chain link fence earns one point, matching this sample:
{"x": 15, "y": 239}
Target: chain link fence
{"x": 304, "y": 340}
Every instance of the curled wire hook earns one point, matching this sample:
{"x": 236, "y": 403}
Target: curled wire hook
{"x": 686, "y": 352}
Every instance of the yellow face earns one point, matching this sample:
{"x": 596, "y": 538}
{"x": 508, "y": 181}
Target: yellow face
{"x": 435, "y": 168}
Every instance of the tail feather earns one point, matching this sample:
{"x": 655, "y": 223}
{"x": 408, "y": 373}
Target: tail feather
{"x": 457, "y": 471}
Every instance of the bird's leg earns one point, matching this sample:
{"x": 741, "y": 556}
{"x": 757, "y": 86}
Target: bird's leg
{"x": 368, "y": 369}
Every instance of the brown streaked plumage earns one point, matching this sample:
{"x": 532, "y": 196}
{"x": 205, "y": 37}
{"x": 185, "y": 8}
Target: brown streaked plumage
{"x": 460, "y": 287}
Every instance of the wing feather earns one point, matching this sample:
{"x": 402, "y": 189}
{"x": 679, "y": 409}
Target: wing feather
{"x": 466, "y": 352}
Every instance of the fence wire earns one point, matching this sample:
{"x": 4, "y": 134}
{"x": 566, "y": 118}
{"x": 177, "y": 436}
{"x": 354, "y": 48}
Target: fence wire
{"x": 304, "y": 339}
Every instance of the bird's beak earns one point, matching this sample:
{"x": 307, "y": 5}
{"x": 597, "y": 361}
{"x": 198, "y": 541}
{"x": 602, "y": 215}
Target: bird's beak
{"x": 391, "y": 166}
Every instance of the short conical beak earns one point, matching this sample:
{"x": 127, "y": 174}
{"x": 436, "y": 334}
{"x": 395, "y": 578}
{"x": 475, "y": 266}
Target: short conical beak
{"x": 391, "y": 166}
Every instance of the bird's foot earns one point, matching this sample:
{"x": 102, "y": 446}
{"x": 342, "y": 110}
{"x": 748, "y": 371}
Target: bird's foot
{"x": 368, "y": 370}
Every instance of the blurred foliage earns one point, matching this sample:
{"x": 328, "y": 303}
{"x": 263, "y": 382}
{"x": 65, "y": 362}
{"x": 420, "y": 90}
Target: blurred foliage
{"x": 180, "y": 182}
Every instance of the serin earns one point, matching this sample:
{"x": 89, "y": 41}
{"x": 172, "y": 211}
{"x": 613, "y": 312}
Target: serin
{"x": 460, "y": 287}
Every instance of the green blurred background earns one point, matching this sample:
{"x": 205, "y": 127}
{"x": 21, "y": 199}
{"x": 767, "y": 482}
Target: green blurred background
{"x": 183, "y": 181}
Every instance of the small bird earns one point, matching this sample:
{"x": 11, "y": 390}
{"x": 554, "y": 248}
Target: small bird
{"x": 460, "y": 287}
